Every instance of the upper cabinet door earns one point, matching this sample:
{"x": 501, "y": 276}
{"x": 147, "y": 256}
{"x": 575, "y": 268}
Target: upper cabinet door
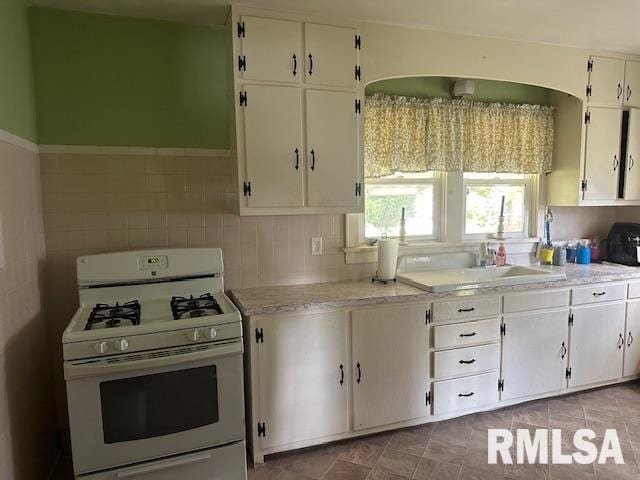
{"x": 332, "y": 149}
{"x": 271, "y": 50}
{"x": 606, "y": 81}
{"x": 273, "y": 146}
{"x": 330, "y": 55}
{"x": 632, "y": 84}
{"x": 632, "y": 167}
{"x": 602, "y": 153}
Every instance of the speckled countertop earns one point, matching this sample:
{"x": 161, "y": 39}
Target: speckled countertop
{"x": 298, "y": 298}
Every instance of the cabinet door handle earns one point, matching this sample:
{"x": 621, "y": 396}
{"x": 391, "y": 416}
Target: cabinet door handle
{"x": 620, "y": 341}
{"x": 564, "y": 351}
{"x": 631, "y": 162}
{"x": 341, "y": 374}
{"x": 628, "y": 92}
{"x": 313, "y": 160}
{"x": 467, "y": 362}
{"x": 619, "y": 91}
{"x": 598, "y": 294}
{"x": 463, "y": 310}
{"x": 297, "y": 158}
{"x": 295, "y": 65}
{"x": 470, "y": 394}
{"x": 359, "y": 377}
{"x": 472, "y": 334}
{"x": 615, "y": 162}
{"x": 311, "y": 65}
{"x": 630, "y": 341}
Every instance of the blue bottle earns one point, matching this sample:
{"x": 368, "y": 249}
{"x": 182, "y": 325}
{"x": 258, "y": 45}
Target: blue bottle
{"x": 584, "y": 255}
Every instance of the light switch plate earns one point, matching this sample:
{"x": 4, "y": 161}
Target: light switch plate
{"x": 316, "y": 245}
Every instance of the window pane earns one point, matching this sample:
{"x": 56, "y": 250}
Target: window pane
{"x": 383, "y": 209}
{"x": 483, "y": 208}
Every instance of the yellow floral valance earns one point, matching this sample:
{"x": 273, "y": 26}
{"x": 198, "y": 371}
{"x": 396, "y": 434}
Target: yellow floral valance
{"x": 404, "y": 134}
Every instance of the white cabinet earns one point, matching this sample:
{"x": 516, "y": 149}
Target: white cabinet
{"x": 270, "y": 49}
{"x": 602, "y": 156}
{"x": 330, "y": 55}
{"x": 632, "y": 168}
{"x": 596, "y": 341}
{"x": 632, "y": 340}
{"x": 465, "y": 393}
{"x": 606, "y": 81}
{"x": 534, "y": 353}
{"x": 632, "y": 83}
{"x": 273, "y": 146}
{"x": 303, "y": 377}
{"x": 390, "y": 365}
{"x": 332, "y": 163}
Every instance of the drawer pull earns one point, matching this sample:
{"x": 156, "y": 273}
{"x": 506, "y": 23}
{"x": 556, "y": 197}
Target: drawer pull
{"x": 467, "y": 362}
{"x": 465, "y": 394}
{"x": 472, "y": 334}
{"x": 598, "y": 294}
{"x": 620, "y": 341}
{"x": 463, "y": 310}
{"x": 630, "y": 340}
{"x": 564, "y": 351}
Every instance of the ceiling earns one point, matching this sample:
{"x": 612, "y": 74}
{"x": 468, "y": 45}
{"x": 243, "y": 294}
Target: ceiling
{"x": 593, "y": 24}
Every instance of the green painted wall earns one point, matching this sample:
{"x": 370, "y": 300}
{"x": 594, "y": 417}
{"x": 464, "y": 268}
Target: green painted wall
{"x": 120, "y": 81}
{"x": 486, "y": 90}
{"x": 17, "y": 112}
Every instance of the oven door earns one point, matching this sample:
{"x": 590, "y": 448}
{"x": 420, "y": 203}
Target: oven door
{"x": 136, "y": 407}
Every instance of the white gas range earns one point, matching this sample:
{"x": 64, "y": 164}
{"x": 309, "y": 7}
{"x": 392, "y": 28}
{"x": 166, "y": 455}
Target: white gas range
{"x": 153, "y": 368}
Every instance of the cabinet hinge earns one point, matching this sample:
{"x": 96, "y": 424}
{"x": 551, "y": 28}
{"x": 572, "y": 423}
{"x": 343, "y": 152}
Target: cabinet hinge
{"x": 357, "y": 105}
{"x": 427, "y": 316}
{"x": 262, "y": 429}
{"x": 240, "y": 29}
{"x": 242, "y": 63}
{"x": 246, "y": 187}
{"x": 357, "y": 72}
{"x": 358, "y": 189}
{"x": 243, "y": 99}
{"x": 589, "y": 65}
{"x": 570, "y": 319}
{"x": 358, "y": 42}
{"x": 567, "y": 373}
{"x": 427, "y": 398}
{"x": 501, "y": 385}
{"x": 583, "y": 185}
{"x": 587, "y": 118}
{"x": 588, "y": 90}
{"x": 503, "y": 329}
{"x": 259, "y": 335}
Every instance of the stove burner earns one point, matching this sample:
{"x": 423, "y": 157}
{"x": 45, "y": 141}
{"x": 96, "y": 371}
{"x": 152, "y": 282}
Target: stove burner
{"x": 114, "y": 315}
{"x": 183, "y": 307}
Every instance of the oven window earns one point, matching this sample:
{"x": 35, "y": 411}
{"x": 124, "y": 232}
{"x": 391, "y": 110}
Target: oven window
{"x": 160, "y": 404}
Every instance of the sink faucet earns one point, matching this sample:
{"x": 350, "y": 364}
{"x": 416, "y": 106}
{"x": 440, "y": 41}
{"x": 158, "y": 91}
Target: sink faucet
{"x": 487, "y": 257}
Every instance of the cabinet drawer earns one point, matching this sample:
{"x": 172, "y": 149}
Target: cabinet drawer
{"x": 465, "y": 393}
{"x": 634, "y": 290}
{"x": 598, "y": 293}
{"x": 464, "y": 361}
{"x": 467, "y": 333}
{"x": 524, "y": 302}
{"x": 468, "y": 308}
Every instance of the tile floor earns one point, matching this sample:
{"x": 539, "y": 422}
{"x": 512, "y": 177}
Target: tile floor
{"x": 457, "y": 449}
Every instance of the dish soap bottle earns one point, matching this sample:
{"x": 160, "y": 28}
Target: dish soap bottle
{"x": 501, "y": 259}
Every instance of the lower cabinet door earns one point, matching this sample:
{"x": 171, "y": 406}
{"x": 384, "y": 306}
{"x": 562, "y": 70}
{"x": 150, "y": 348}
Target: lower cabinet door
{"x": 303, "y": 377}
{"x": 632, "y": 340}
{"x": 465, "y": 393}
{"x": 596, "y": 343}
{"x": 390, "y": 365}
{"x": 534, "y": 353}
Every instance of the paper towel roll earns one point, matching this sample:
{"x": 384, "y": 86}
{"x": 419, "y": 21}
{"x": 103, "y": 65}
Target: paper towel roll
{"x": 387, "y": 258}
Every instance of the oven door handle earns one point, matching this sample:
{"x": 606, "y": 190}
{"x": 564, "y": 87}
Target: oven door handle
{"x": 162, "y": 465}
{"x": 103, "y": 367}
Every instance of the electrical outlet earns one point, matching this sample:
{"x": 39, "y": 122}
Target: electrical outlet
{"x": 316, "y": 245}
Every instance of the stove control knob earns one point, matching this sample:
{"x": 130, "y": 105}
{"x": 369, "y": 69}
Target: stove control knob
{"x": 121, "y": 345}
{"x": 210, "y": 333}
{"x": 101, "y": 347}
{"x": 193, "y": 336}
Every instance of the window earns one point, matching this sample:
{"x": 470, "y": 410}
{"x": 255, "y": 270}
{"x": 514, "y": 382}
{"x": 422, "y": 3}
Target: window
{"x": 483, "y": 198}
{"x": 385, "y": 198}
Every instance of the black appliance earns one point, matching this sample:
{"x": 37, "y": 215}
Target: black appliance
{"x": 623, "y": 244}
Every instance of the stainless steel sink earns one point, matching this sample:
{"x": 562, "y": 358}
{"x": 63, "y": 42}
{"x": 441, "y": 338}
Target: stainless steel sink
{"x": 465, "y": 278}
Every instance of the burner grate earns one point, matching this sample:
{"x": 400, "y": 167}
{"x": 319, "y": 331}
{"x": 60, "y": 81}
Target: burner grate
{"x": 202, "y": 306}
{"x": 114, "y": 315}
